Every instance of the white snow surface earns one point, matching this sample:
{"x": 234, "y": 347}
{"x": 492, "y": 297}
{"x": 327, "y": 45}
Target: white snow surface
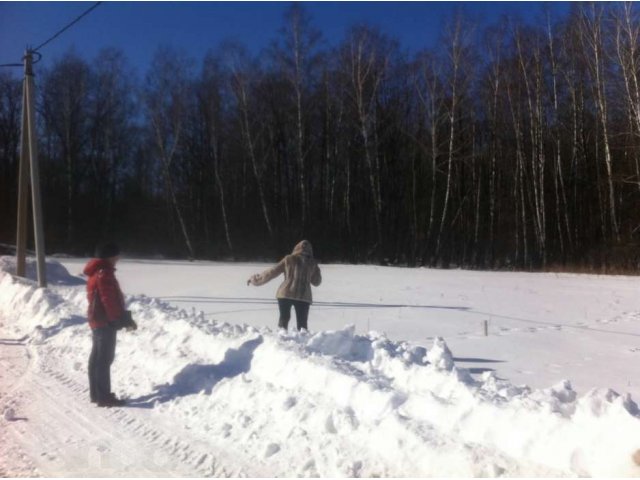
{"x": 213, "y": 390}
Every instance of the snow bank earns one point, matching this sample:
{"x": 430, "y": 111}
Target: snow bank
{"x": 57, "y": 274}
{"x": 330, "y": 403}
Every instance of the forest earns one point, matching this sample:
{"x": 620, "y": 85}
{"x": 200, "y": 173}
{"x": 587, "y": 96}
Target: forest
{"x": 512, "y": 146}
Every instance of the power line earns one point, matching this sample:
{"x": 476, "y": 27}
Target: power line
{"x": 60, "y": 32}
{"x": 68, "y": 26}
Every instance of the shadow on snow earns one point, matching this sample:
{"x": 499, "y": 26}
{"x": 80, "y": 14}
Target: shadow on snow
{"x": 195, "y": 378}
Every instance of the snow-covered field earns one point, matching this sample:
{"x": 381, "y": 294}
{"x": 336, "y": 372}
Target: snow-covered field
{"x": 395, "y": 378}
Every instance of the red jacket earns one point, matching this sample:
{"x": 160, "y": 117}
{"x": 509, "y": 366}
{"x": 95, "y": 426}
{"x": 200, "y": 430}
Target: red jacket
{"x": 108, "y": 306}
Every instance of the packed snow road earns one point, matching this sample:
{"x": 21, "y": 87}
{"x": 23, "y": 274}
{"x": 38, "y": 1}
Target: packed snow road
{"x": 210, "y": 397}
{"x": 50, "y": 432}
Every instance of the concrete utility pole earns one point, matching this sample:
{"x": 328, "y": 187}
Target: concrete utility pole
{"x": 23, "y": 188}
{"x": 29, "y": 163}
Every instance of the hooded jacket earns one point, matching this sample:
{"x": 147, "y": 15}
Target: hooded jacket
{"x": 300, "y": 272}
{"x": 106, "y": 302}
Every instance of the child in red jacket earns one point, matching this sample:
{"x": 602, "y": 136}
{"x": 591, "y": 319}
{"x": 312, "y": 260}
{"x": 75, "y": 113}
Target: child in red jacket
{"x": 106, "y": 315}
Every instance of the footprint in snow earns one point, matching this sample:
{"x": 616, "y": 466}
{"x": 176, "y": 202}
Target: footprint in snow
{"x": 494, "y": 471}
{"x": 225, "y": 430}
{"x": 309, "y": 468}
{"x": 271, "y": 450}
{"x": 355, "y": 469}
{"x": 289, "y": 402}
{"x": 329, "y": 426}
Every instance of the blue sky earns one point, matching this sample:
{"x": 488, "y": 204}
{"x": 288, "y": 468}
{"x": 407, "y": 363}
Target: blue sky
{"x": 139, "y": 27}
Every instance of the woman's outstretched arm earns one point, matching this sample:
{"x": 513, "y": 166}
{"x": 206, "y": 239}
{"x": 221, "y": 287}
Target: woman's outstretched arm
{"x": 268, "y": 275}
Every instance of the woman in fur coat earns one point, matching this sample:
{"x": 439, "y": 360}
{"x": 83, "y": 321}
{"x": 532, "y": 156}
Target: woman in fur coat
{"x": 300, "y": 272}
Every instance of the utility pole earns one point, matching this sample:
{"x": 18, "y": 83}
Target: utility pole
{"x": 23, "y": 188}
{"x": 29, "y": 164}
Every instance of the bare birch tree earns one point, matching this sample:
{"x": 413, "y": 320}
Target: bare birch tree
{"x": 457, "y": 38}
{"x": 430, "y": 92}
{"x": 167, "y": 89}
{"x": 65, "y": 99}
{"x": 591, "y": 29}
{"x": 627, "y": 42}
{"x": 366, "y": 63}
{"x": 240, "y": 84}
{"x": 298, "y": 58}
{"x": 212, "y": 104}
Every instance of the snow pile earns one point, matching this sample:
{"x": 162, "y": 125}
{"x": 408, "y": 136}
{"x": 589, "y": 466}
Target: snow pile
{"x": 330, "y": 403}
{"x": 57, "y": 274}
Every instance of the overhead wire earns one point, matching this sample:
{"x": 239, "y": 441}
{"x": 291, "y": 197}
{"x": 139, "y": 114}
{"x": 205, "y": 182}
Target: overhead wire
{"x": 53, "y": 37}
{"x": 69, "y": 25}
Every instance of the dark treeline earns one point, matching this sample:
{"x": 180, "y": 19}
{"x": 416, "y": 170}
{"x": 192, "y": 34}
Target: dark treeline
{"x": 512, "y": 147}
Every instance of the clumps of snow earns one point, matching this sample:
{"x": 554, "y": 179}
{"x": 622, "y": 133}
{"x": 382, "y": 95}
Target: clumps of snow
{"x": 342, "y": 344}
{"x": 560, "y": 398}
{"x": 440, "y": 356}
{"x": 603, "y": 401}
{"x": 334, "y": 403}
{"x": 496, "y": 390}
{"x": 373, "y": 347}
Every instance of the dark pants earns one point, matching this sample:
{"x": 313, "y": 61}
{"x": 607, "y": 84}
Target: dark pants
{"x": 302, "y": 312}
{"x": 102, "y": 354}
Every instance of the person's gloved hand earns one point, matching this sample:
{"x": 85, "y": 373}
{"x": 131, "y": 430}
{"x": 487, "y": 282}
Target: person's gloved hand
{"x": 127, "y": 322}
{"x": 117, "y": 325}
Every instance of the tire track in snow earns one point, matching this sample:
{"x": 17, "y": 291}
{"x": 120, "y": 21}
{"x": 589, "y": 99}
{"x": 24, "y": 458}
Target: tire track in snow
{"x": 15, "y": 363}
{"x": 70, "y": 439}
{"x": 75, "y": 438}
{"x": 150, "y": 430}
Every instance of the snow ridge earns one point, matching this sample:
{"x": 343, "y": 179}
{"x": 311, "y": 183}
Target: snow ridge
{"x": 223, "y": 399}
